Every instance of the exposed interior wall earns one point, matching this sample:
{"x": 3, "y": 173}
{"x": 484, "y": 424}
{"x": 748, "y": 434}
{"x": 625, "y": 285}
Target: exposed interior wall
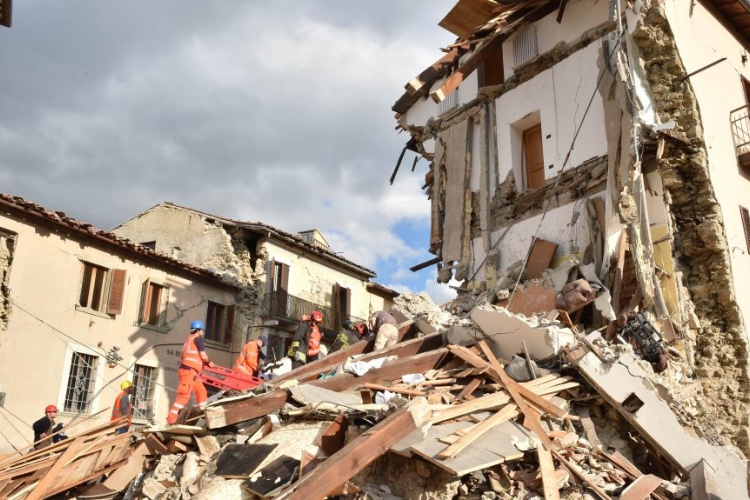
{"x": 7, "y": 249}
{"x": 699, "y": 240}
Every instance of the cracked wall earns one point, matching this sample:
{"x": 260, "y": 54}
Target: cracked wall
{"x": 699, "y": 240}
{"x": 7, "y": 249}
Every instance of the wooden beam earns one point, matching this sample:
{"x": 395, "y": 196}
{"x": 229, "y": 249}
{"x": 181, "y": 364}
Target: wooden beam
{"x": 508, "y": 412}
{"x": 575, "y": 469}
{"x": 390, "y": 370}
{"x": 433, "y": 72}
{"x": 398, "y": 390}
{"x": 468, "y": 67}
{"x": 510, "y": 385}
{"x": 246, "y": 409}
{"x": 358, "y": 454}
{"x": 641, "y": 488}
{"x": 547, "y": 471}
{"x": 49, "y": 479}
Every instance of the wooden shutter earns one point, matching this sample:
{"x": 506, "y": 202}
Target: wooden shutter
{"x": 534, "y": 158}
{"x": 231, "y": 310}
{"x": 348, "y": 311}
{"x": 270, "y": 277}
{"x": 745, "y": 215}
{"x": 116, "y": 291}
{"x": 284, "y": 277}
{"x": 145, "y": 300}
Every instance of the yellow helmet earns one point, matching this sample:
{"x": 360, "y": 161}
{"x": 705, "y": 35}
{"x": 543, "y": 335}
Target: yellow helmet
{"x": 125, "y": 385}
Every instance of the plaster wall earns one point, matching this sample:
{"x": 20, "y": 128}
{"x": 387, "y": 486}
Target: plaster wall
{"x": 46, "y": 324}
{"x": 556, "y": 98}
{"x": 313, "y": 280}
{"x": 719, "y": 91}
{"x": 557, "y": 227}
{"x": 579, "y": 16}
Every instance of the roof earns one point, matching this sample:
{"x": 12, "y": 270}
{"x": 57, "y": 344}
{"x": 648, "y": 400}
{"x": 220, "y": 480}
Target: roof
{"x": 30, "y": 212}
{"x": 6, "y": 11}
{"x": 381, "y": 290}
{"x": 734, "y": 15}
{"x": 287, "y": 238}
{"x": 478, "y": 24}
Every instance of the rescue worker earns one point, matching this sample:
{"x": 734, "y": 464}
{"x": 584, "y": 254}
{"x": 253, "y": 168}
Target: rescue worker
{"x": 349, "y": 334}
{"x": 46, "y": 426}
{"x": 122, "y": 406}
{"x": 192, "y": 359}
{"x": 249, "y": 359}
{"x": 308, "y": 338}
{"x": 385, "y": 327}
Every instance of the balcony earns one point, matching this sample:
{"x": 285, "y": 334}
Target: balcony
{"x": 281, "y": 305}
{"x": 739, "y": 120}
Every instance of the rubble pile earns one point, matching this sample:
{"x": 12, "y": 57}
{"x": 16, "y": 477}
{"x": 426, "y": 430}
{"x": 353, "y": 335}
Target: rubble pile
{"x": 490, "y": 403}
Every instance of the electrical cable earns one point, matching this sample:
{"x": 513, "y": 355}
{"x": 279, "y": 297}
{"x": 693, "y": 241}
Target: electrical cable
{"x": 562, "y": 169}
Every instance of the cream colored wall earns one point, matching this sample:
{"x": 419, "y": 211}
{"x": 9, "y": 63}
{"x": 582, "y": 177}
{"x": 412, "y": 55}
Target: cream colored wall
{"x": 45, "y": 325}
{"x": 313, "y": 280}
{"x": 701, "y": 41}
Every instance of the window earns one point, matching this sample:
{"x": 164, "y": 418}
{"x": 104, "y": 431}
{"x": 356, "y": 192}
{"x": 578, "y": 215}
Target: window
{"x": 524, "y": 46}
{"x": 278, "y": 286}
{"x": 80, "y": 385}
{"x": 745, "y": 215}
{"x": 149, "y": 244}
{"x": 492, "y": 72}
{"x": 342, "y": 298}
{"x": 144, "y": 380}
{"x": 154, "y": 302}
{"x": 101, "y": 289}
{"x": 219, "y": 323}
{"x": 450, "y": 101}
{"x": 533, "y": 158}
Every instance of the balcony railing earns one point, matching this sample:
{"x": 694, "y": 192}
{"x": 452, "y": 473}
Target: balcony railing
{"x": 740, "y": 122}
{"x": 286, "y": 306}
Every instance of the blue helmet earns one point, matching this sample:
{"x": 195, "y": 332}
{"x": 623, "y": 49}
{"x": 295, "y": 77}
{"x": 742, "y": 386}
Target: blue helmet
{"x": 196, "y": 325}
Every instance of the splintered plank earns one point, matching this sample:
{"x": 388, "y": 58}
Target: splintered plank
{"x": 240, "y": 411}
{"x": 49, "y": 479}
{"x": 641, "y": 488}
{"x": 208, "y": 445}
{"x": 547, "y": 470}
{"x": 238, "y": 461}
{"x": 479, "y": 430}
{"x": 271, "y": 478}
{"x": 495, "y": 447}
{"x": 357, "y": 455}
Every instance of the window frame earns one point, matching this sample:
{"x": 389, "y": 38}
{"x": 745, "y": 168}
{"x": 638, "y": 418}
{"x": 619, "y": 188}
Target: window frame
{"x": 73, "y": 349}
{"x": 145, "y": 311}
{"x": 111, "y": 283}
{"x": 149, "y": 413}
{"x": 224, "y": 323}
{"x": 745, "y": 218}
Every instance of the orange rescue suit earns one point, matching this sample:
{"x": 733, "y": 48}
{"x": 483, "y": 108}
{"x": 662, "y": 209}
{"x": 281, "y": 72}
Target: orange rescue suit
{"x": 248, "y": 359}
{"x": 313, "y": 347}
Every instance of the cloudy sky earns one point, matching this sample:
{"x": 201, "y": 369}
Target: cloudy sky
{"x": 277, "y": 112}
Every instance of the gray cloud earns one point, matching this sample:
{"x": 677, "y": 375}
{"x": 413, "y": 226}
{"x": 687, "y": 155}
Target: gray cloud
{"x": 272, "y": 111}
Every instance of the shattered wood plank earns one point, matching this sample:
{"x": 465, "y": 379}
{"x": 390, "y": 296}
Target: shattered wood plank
{"x": 233, "y": 413}
{"x": 60, "y": 487}
{"x": 575, "y": 469}
{"x": 121, "y": 478}
{"x": 547, "y": 470}
{"x": 469, "y": 388}
{"x": 641, "y": 488}
{"x": 50, "y": 477}
{"x": 498, "y": 373}
{"x": 333, "y": 437}
{"x": 208, "y": 445}
{"x": 588, "y": 427}
{"x": 703, "y": 484}
{"x": 156, "y": 445}
{"x": 389, "y": 370}
{"x": 358, "y": 454}
{"x": 433, "y": 72}
{"x": 507, "y": 413}
{"x": 399, "y": 390}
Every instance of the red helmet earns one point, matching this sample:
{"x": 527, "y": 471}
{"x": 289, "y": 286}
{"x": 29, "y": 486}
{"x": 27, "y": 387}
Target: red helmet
{"x": 50, "y": 408}
{"x": 317, "y": 316}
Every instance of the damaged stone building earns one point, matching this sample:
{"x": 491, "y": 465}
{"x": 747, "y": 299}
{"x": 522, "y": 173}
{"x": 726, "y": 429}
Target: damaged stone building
{"x": 81, "y": 311}
{"x": 282, "y": 275}
{"x": 611, "y": 135}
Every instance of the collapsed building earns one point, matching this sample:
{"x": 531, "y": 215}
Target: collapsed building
{"x": 610, "y": 134}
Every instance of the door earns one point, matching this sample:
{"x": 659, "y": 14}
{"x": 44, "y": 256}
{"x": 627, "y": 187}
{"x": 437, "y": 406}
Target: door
{"x": 533, "y": 157}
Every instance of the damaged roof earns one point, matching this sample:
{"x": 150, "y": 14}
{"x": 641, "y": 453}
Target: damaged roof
{"x": 6, "y": 9}
{"x": 288, "y": 238}
{"x": 16, "y": 206}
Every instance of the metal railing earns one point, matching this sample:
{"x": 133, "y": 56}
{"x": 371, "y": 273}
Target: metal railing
{"x": 739, "y": 120}
{"x": 284, "y": 305}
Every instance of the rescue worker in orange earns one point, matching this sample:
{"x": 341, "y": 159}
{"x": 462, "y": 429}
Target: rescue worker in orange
{"x": 312, "y": 338}
{"x": 122, "y": 406}
{"x": 192, "y": 359}
{"x": 248, "y": 361}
